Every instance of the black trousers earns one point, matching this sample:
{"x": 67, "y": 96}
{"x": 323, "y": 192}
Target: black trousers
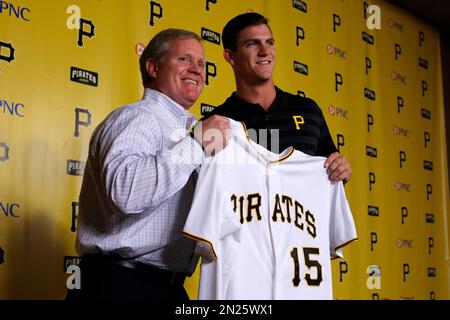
{"x": 115, "y": 278}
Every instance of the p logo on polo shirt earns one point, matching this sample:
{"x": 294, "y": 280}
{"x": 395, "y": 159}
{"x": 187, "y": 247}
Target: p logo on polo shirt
{"x": 298, "y": 120}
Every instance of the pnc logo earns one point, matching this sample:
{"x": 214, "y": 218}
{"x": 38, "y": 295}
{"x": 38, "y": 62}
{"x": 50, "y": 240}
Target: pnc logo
{"x": 395, "y": 76}
{"x": 394, "y": 24}
{"x": 339, "y": 112}
{"x": 403, "y": 243}
{"x": 398, "y": 131}
{"x": 336, "y": 51}
{"x": 332, "y": 110}
{"x": 9, "y": 209}
{"x": 13, "y": 108}
{"x": 401, "y": 186}
{"x": 330, "y": 49}
{"x": 12, "y": 10}
{"x": 139, "y": 48}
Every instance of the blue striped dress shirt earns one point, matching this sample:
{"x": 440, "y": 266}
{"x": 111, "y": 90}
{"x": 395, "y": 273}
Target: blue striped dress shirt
{"x": 138, "y": 185}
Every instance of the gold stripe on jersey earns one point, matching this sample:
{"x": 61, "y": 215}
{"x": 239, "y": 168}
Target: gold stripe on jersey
{"x": 285, "y": 157}
{"x": 291, "y": 152}
{"x": 196, "y": 238}
{"x": 245, "y": 130}
{"x": 343, "y": 245}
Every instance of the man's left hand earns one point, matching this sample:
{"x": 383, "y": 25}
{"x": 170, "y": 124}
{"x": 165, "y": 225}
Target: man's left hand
{"x": 338, "y": 168}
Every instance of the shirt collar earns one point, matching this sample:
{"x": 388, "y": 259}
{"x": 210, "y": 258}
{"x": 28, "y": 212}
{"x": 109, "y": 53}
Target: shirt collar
{"x": 259, "y": 152}
{"x": 243, "y": 103}
{"x": 176, "y": 115}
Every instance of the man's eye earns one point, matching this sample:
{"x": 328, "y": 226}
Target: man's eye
{"x": 183, "y": 59}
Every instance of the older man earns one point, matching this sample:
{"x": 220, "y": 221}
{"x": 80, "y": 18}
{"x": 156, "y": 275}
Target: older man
{"x": 139, "y": 180}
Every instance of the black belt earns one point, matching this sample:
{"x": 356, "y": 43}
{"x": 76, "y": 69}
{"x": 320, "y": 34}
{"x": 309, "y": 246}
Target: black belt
{"x": 172, "y": 278}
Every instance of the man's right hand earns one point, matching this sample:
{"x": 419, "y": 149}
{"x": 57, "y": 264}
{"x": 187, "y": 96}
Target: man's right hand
{"x": 212, "y": 133}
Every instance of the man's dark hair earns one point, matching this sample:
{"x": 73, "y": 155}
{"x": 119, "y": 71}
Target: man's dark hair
{"x": 234, "y": 26}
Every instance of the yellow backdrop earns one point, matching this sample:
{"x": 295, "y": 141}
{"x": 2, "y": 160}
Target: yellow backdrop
{"x": 64, "y": 65}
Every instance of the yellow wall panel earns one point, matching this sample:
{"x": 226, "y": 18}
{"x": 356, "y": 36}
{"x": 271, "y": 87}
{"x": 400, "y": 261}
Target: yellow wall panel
{"x": 43, "y": 147}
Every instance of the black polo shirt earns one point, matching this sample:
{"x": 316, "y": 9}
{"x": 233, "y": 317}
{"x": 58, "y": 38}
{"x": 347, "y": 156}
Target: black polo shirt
{"x": 300, "y": 123}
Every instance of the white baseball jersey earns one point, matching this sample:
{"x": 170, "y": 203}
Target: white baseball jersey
{"x": 267, "y": 224}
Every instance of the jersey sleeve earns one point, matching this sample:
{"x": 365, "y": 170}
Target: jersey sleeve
{"x": 342, "y": 226}
{"x": 211, "y": 216}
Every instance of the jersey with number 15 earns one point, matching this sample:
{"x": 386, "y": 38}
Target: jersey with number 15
{"x": 267, "y": 224}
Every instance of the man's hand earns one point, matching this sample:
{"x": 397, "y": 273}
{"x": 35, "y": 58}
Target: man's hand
{"x": 212, "y": 133}
{"x": 338, "y": 168}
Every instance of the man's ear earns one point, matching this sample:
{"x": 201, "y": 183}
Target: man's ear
{"x": 152, "y": 68}
{"x": 228, "y": 55}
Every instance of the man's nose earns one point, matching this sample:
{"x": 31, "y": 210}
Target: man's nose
{"x": 263, "y": 50}
{"x": 195, "y": 68}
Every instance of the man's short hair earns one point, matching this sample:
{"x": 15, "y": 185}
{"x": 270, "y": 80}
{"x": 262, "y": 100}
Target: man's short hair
{"x": 158, "y": 46}
{"x": 234, "y": 26}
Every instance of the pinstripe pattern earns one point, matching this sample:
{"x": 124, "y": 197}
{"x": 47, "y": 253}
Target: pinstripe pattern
{"x": 137, "y": 186}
